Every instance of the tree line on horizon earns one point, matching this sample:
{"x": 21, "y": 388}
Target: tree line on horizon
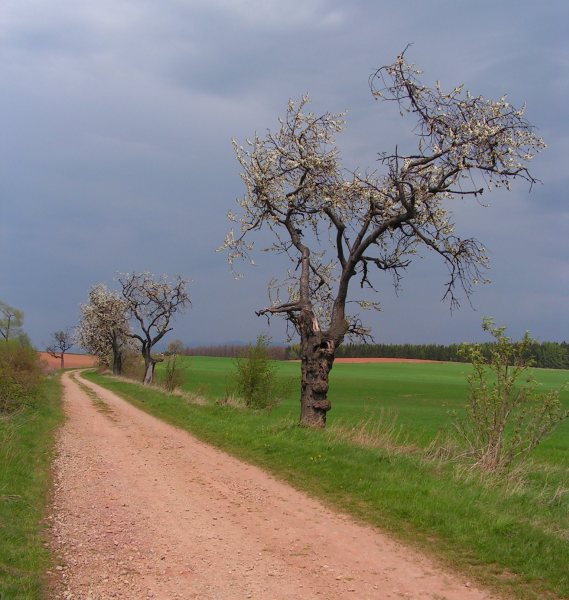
{"x": 232, "y": 351}
{"x": 546, "y": 355}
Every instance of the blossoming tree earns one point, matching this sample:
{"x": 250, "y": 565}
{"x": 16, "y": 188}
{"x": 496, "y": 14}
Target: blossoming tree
{"x": 104, "y": 328}
{"x": 336, "y": 226}
{"x": 151, "y": 304}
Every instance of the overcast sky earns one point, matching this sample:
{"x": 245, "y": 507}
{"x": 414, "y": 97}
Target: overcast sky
{"x": 115, "y": 148}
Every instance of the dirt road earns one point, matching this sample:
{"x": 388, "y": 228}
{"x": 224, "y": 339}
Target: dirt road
{"x": 143, "y": 510}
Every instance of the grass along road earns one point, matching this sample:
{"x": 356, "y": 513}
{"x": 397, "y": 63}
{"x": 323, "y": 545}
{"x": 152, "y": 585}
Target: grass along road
{"x": 26, "y": 444}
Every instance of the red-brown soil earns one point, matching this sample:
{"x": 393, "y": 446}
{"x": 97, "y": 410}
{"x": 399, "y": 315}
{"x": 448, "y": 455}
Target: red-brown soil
{"x": 70, "y": 360}
{"x": 382, "y": 360}
{"x": 143, "y": 510}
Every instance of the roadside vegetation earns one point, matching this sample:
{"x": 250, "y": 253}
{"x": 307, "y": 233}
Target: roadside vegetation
{"x": 255, "y": 377}
{"x": 380, "y": 460}
{"x": 29, "y": 414}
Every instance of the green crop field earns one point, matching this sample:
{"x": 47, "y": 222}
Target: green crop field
{"x": 510, "y": 533}
{"x": 424, "y": 395}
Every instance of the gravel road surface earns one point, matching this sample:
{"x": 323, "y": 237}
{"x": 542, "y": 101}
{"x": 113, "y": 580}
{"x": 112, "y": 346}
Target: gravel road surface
{"x": 143, "y": 510}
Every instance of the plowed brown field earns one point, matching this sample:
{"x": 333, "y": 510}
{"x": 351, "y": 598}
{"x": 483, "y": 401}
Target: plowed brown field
{"x": 382, "y": 360}
{"x": 70, "y": 361}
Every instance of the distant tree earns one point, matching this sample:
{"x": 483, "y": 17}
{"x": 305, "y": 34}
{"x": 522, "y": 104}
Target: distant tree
{"x": 336, "y": 226}
{"x": 104, "y": 328}
{"x": 11, "y": 320}
{"x": 550, "y": 355}
{"x": 236, "y": 351}
{"x": 62, "y": 342}
{"x": 151, "y": 304}
{"x": 175, "y": 347}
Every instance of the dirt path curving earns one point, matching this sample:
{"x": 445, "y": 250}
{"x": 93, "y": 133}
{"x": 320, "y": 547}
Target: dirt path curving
{"x": 143, "y": 510}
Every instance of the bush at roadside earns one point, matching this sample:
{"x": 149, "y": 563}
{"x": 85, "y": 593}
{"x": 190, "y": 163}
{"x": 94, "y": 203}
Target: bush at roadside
{"x": 506, "y": 416}
{"x": 255, "y": 376}
{"x": 20, "y": 375}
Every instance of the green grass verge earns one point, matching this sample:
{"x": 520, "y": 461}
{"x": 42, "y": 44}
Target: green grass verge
{"x": 514, "y": 539}
{"x": 26, "y": 445}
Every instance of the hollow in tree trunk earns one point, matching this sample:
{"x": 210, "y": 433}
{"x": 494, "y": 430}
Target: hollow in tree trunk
{"x": 317, "y": 358}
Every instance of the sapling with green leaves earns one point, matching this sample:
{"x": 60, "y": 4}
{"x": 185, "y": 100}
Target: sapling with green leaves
{"x": 255, "y": 376}
{"x": 507, "y": 415}
{"x": 172, "y": 377}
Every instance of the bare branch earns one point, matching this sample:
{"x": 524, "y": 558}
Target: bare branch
{"x": 62, "y": 341}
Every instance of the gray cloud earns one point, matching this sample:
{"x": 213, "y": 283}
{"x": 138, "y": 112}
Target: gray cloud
{"x": 117, "y": 118}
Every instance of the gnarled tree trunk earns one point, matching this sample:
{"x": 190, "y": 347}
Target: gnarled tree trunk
{"x": 317, "y": 351}
{"x": 149, "y": 364}
{"x": 316, "y": 363}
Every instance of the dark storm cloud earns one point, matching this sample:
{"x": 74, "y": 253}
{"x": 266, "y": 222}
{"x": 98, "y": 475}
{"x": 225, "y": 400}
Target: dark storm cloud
{"x": 117, "y": 118}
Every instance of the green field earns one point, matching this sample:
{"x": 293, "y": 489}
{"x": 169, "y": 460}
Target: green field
{"x": 510, "y": 534}
{"x": 424, "y": 395}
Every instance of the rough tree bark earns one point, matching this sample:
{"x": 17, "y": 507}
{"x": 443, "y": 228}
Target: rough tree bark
{"x": 149, "y": 365}
{"x": 317, "y": 352}
{"x": 117, "y": 363}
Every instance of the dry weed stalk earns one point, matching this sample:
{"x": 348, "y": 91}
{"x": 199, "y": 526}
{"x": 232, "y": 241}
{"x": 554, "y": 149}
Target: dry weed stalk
{"x": 379, "y": 431}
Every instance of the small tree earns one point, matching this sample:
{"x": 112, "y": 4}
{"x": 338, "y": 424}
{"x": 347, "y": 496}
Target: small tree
{"x": 11, "y": 320}
{"x": 336, "y": 226}
{"x": 175, "y": 347}
{"x": 151, "y": 305}
{"x": 62, "y": 342}
{"x": 172, "y": 377}
{"x": 255, "y": 376}
{"x": 506, "y": 415}
{"x": 104, "y": 328}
